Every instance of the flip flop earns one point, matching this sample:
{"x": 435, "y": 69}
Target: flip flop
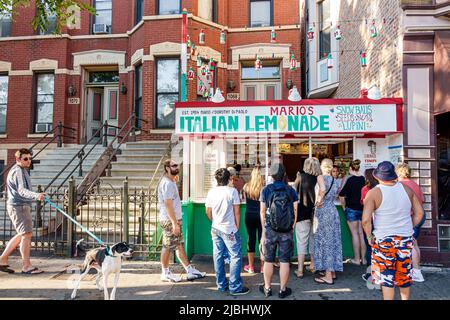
{"x": 323, "y": 281}
{"x": 5, "y": 268}
{"x": 35, "y": 270}
{"x": 298, "y": 275}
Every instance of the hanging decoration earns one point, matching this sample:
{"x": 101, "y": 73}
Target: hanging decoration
{"x": 201, "y": 37}
{"x": 191, "y": 74}
{"x": 338, "y": 33}
{"x": 293, "y": 63}
{"x": 223, "y": 37}
{"x": 273, "y": 35}
{"x": 258, "y": 63}
{"x": 363, "y": 59}
{"x": 310, "y": 34}
{"x": 188, "y": 41}
{"x": 211, "y": 64}
{"x": 199, "y": 61}
{"x": 203, "y": 70}
{"x": 373, "y": 30}
{"x": 330, "y": 61}
{"x": 193, "y": 48}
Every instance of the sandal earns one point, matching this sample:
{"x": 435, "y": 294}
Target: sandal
{"x": 35, "y": 270}
{"x": 323, "y": 281}
{"x": 298, "y": 274}
{"x": 6, "y": 268}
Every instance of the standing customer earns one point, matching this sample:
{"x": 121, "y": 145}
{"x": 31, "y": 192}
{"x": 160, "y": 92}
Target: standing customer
{"x": 404, "y": 173}
{"x": 327, "y": 227}
{"x": 223, "y": 209}
{"x": 350, "y": 196}
{"x": 20, "y": 198}
{"x": 391, "y": 241}
{"x": 278, "y": 217}
{"x": 252, "y": 191}
{"x": 170, "y": 219}
{"x": 305, "y": 186}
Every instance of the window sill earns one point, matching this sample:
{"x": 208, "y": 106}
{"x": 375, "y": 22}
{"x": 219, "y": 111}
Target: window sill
{"x": 3, "y": 135}
{"x": 162, "y": 131}
{"x": 39, "y": 135}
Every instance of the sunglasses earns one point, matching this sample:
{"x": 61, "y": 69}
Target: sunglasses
{"x": 26, "y": 159}
{"x": 174, "y": 166}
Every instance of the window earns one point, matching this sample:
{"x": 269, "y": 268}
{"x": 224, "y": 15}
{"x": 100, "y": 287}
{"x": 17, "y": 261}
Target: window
{"x": 138, "y": 94}
{"x": 103, "y": 18}
{"x": 3, "y": 102}
{"x": 167, "y": 91}
{"x": 267, "y": 72}
{"x": 139, "y": 10}
{"x": 45, "y": 90}
{"x": 2, "y": 167}
{"x": 261, "y": 13}
{"x": 50, "y": 27}
{"x": 169, "y": 7}
{"x": 207, "y": 9}
{"x": 5, "y": 23}
{"x": 324, "y": 29}
{"x": 215, "y": 11}
{"x": 104, "y": 77}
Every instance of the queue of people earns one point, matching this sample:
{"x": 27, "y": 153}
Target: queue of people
{"x": 383, "y": 209}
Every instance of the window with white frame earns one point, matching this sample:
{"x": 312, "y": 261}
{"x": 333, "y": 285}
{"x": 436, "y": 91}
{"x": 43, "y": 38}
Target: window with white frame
{"x": 261, "y": 13}
{"x": 169, "y": 7}
{"x": 45, "y": 90}
{"x": 207, "y": 9}
{"x": 5, "y": 22}
{"x": 103, "y": 17}
{"x": 50, "y": 26}
{"x": 324, "y": 29}
{"x": 167, "y": 91}
{"x": 138, "y": 94}
{"x": 3, "y": 101}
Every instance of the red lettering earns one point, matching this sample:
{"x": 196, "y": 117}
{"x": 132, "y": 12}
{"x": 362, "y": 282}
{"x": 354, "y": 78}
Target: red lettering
{"x": 310, "y": 111}
{"x": 282, "y": 111}
{"x": 291, "y": 111}
{"x": 273, "y": 111}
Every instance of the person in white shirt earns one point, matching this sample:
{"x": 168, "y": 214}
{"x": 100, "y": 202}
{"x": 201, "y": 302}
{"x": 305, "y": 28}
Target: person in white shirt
{"x": 170, "y": 219}
{"x": 223, "y": 209}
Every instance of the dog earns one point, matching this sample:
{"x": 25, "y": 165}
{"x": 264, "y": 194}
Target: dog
{"x": 106, "y": 260}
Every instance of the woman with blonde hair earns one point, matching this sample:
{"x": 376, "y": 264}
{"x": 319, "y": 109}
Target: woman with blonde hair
{"x": 326, "y": 227}
{"x": 304, "y": 185}
{"x": 251, "y": 191}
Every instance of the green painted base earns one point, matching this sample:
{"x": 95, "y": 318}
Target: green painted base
{"x": 197, "y": 231}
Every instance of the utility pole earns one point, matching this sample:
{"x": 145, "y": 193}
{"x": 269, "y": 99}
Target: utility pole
{"x": 184, "y": 56}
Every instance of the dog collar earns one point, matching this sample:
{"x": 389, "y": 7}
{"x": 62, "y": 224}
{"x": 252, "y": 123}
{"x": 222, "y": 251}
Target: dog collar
{"x": 108, "y": 252}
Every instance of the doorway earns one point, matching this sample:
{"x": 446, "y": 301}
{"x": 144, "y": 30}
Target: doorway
{"x": 443, "y": 167}
{"x": 102, "y": 105}
{"x": 293, "y": 163}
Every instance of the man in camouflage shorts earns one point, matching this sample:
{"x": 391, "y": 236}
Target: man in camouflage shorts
{"x": 170, "y": 217}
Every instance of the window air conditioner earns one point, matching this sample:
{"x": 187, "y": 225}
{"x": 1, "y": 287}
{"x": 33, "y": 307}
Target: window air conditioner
{"x": 43, "y": 127}
{"x": 98, "y": 28}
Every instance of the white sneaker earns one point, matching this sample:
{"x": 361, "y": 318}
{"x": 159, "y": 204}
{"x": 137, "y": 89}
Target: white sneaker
{"x": 417, "y": 275}
{"x": 195, "y": 274}
{"x": 170, "y": 277}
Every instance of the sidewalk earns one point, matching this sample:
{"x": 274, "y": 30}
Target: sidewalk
{"x": 139, "y": 280}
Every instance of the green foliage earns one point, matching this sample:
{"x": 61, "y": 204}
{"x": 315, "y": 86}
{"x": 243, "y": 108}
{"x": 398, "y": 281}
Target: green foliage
{"x": 46, "y": 9}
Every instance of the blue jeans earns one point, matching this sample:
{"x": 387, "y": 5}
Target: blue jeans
{"x": 225, "y": 245}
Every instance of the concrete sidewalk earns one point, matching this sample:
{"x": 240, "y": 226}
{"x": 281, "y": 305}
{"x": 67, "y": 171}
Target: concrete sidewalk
{"x": 139, "y": 280}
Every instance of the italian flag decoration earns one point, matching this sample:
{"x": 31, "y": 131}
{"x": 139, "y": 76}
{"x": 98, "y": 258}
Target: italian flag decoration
{"x": 273, "y": 35}
{"x": 201, "y": 37}
{"x": 363, "y": 59}
{"x": 338, "y": 33}
{"x": 223, "y": 37}
{"x": 310, "y": 34}
{"x": 258, "y": 63}
{"x": 191, "y": 74}
{"x": 293, "y": 63}
{"x": 373, "y": 30}
{"x": 188, "y": 41}
{"x": 199, "y": 61}
{"x": 330, "y": 61}
{"x": 203, "y": 70}
{"x": 211, "y": 64}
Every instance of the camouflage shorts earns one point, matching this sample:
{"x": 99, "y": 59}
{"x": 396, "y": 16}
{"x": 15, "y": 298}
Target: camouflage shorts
{"x": 171, "y": 241}
{"x": 272, "y": 240}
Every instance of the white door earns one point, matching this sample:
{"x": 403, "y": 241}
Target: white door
{"x": 261, "y": 90}
{"x": 111, "y": 110}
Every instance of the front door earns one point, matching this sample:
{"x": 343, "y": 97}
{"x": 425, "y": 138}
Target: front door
{"x": 261, "y": 90}
{"x": 102, "y": 106}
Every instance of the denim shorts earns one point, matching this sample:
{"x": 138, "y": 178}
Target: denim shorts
{"x": 352, "y": 215}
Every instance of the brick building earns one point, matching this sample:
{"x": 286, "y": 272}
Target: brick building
{"x": 127, "y": 58}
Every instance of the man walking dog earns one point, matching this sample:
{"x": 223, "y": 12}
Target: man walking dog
{"x": 170, "y": 217}
{"x": 20, "y": 198}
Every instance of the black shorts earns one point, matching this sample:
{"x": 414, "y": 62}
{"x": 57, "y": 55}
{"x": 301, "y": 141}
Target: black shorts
{"x": 272, "y": 240}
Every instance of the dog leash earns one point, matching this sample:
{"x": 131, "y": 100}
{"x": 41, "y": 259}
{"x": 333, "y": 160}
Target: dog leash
{"x": 78, "y": 224}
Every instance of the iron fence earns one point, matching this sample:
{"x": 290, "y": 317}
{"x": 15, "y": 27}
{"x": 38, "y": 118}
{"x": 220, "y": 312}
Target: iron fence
{"x": 112, "y": 214}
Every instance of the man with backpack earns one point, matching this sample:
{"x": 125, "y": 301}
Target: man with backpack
{"x": 278, "y": 217}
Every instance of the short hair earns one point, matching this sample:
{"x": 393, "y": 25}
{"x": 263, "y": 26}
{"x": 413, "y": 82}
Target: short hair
{"x": 222, "y": 176}
{"x": 238, "y": 167}
{"x": 355, "y": 164}
{"x": 326, "y": 166}
{"x": 403, "y": 170}
{"x": 167, "y": 164}
{"x": 312, "y": 166}
{"x": 21, "y": 152}
{"x": 232, "y": 171}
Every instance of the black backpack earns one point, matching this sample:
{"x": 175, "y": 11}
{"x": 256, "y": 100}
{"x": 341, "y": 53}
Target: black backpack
{"x": 281, "y": 209}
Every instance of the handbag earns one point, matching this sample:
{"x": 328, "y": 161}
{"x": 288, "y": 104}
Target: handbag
{"x": 314, "y": 208}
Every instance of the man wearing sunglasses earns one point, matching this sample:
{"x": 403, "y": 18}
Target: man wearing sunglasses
{"x": 20, "y": 198}
{"x": 170, "y": 219}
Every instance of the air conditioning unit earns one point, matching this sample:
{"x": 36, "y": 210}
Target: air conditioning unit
{"x": 43, "y": 127}
{"x": 99, "y": 28}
